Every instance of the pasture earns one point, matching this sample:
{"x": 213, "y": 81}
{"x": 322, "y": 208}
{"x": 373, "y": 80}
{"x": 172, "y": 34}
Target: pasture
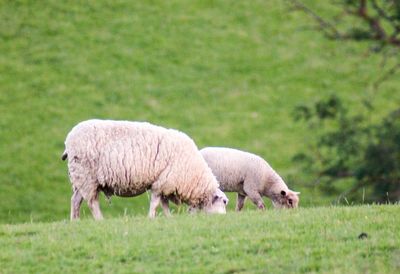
{"x": 316, "y": 240}
{"x": 227, "y": 73}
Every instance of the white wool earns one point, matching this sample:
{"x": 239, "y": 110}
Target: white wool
{"x": 235, "y": 168}
{"x": 127, "y": 158}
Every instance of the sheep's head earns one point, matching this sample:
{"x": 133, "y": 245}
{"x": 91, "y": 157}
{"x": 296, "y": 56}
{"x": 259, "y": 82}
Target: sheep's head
{"x": 286, "y": 199}
{"x": 218, "y": 203}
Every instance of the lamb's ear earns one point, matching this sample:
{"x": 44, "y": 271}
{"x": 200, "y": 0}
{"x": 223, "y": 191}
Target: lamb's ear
{"x": 283, "y": 193}
{"x": 297, "y": 193}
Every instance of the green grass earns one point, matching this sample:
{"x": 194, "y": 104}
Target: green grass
{"x": 312, "y": 240}
{"x": 228, "y": 73}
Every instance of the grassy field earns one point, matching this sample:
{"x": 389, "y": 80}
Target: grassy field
{"x": 228, "y": 73}
{"x": 316, "y": 240}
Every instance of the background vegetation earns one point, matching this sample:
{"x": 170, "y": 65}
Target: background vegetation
{"x": 228, "y": 73}
{"x": 354, "y": 154}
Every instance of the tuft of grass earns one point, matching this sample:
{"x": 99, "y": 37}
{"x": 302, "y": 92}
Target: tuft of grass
{"x": 317, "y": 240}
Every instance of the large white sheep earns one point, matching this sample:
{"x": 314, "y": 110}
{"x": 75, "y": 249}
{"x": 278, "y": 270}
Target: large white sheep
{"x": 248, "y": 175}
{"x": 127, "y": 158}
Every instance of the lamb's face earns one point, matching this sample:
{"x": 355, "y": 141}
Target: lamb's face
{"x": 218, "y": 203}
{"x": 286, "y": 199}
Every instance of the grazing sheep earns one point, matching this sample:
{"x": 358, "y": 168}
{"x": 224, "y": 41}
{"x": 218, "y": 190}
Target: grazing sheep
{"x": 127, "y": 158}
{"x": 248, "y": 175}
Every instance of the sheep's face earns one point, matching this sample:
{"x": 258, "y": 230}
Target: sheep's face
{"x": 286, "y": 199}
{"x": 218, "y": 203}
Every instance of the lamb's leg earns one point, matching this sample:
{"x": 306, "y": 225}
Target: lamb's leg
{"x": 254, "y": 196}
{"x": 94, "y": 206}
{"x": 154, "y": 202}
{"x": 165, "y": 206}
{"x": 240, "y": 201}
{"x": 76, "y": 201}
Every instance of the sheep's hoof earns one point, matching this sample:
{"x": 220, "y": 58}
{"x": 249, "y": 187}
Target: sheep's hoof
{"x": 261, "y": 206}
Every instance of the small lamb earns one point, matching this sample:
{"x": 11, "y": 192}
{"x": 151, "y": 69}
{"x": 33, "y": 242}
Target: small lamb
{"x": 248, "y": 175}
{"x": 128, "y": 158}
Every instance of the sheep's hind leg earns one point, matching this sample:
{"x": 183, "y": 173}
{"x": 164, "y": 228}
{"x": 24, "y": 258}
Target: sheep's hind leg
{"x": 240, "y": 201}
{"x": 94, "y": 206}
{"x": 154, "y": 202}
{"x": 76, "y": 201}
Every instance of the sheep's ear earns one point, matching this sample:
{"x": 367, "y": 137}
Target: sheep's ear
{"x": 297, "y": 193}
{"x": 283, "y": 193}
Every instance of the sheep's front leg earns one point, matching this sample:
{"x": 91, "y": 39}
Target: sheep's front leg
{"x": 240, "y": 201}
{"x": 154, "y": 202}
{"x": 76, "y": 201}
{"x": 94, "y": 206}
{"x": 254, "y": 196}
{"x": 165, "y": 206}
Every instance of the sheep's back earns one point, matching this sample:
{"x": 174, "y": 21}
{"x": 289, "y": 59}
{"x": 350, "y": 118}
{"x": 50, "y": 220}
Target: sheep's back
{"x": 232, "y": 167}
{"x": 125, "y": 157}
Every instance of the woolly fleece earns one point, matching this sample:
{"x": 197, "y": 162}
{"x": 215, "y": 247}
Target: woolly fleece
{"x": 126, "y": 158}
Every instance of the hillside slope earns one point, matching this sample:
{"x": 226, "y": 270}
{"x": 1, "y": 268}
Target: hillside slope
{"x": 318, "y": 240}
{"x": 228, "y": 73}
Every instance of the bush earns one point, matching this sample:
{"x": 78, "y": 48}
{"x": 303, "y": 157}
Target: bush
{"x": 349, "y": 148}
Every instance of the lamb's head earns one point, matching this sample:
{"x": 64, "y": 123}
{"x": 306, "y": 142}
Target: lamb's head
{"x": 286, "y": 199}
{"x": 218, "y": 203}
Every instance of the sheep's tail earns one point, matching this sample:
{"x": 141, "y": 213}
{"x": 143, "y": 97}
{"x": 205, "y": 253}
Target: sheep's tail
{"x": 64, "y": 155}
